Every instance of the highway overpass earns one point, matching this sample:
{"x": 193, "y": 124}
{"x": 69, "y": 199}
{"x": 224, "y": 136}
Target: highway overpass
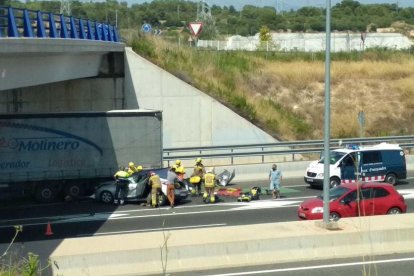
{"x": 80, "y": 65}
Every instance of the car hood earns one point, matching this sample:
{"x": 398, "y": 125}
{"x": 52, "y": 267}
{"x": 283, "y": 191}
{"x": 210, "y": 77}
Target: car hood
{"x": 312, "y": 203}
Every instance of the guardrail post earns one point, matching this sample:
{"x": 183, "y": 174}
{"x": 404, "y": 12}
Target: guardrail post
{"x": 73, "y": 31}
{"x": 97, "y": 31}
{"x": 82, "y": 34}
{"x": 12, "y": 23}
{"x": 108, "y": 32}
{"x": 40, "y": 26}
{"x": 116, "y": 37}
{"x": 110, "y": 35}
{"x": 63, "y": 27}
{"x": 52, "y": 26}
{"x": 28, "y": 32}
{"x": 104, "y": 32}
{"x": 90, "y": 31}
{"x": 262, "y": 156}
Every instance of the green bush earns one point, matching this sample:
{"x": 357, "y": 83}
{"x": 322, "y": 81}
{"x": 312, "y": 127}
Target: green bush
{"x": 144, "y": 47}
{"x": 13, "y": 265}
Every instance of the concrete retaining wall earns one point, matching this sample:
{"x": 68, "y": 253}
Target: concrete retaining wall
{"x": 254, "y": 172}
{"x": 191, "y": 118}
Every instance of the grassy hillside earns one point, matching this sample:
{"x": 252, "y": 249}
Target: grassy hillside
{"x": 283, "y": 93}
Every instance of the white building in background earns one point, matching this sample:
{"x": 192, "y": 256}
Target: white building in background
{"x": 313, "y": 42}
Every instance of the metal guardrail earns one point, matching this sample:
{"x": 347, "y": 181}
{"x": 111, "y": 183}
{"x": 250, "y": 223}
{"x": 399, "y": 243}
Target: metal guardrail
{"x": 281, "y": 148}
{"x": 16, "y": 23}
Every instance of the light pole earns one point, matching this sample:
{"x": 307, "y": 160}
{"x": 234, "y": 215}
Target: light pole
{"x": 327, "y": 119}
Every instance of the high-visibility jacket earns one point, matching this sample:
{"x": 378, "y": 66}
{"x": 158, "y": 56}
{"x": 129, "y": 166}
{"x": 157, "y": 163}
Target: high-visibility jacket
{"x": 155, "y": 181}
{"x": 122, "y": 174}
{"x": 132, "y": 170}
{"x": 199, "y": 170}
{"x": 209, "y": 180}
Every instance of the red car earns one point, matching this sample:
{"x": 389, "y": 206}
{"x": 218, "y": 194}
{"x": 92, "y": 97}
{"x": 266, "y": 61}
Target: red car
{"x": 352, "y": 200}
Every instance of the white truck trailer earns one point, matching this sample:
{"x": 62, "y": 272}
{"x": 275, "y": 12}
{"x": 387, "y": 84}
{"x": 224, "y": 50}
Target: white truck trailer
{"x": 53, "y": 155}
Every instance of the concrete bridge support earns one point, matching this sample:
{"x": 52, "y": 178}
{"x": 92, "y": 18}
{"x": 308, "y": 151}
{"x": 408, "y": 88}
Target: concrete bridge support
{"x": 191, "y": 117}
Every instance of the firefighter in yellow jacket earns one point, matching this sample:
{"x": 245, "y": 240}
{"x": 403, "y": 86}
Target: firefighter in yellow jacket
{"x": 197, "y": 177}
{"x": 209, "y": 182}
{"x": 178, "y": 166}
{"x": 121, "y": 182}
{"x": 155, "y": 183}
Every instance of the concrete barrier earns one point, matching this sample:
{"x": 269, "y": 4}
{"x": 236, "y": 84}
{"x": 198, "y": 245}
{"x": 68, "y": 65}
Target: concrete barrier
{"x": 200, "y": 249}
{"x": 252, "y": 172}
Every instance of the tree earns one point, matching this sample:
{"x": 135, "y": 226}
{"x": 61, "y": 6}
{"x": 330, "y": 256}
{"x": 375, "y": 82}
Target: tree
{"x": 264, "y": 34}
{"x": 266, "y": 42}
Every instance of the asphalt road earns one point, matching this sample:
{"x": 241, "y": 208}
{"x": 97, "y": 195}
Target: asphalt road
{"x": 395, "y": 264}
{"x": 89, "y": 218}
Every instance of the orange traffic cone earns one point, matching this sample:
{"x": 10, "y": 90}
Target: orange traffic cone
{"x": 48, "y": 230}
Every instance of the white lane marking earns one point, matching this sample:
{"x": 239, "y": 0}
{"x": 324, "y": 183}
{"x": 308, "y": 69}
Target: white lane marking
{"x": 184, "y": 214}
{"x": 407, "y": 193}
{"x": 107, "y": 216}
{"x": 315, "y": 267}
{"x": 154, "y": 229}
{"x": 125, "y": 214}
{"x": 266, "y": 204}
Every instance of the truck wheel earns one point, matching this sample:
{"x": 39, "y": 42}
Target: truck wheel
{"x": 74, "y": 190}
{"x": 391, "y": 178}
{"x": 106, "y": 197}
{"x": 45, "y": 193}
{"x": 334, "y": 181}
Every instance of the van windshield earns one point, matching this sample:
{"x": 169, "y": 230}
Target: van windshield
{"x": 334, "y": 156}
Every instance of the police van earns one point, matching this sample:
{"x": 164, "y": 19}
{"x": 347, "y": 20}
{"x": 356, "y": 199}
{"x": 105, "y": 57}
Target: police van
{"x": 382, "y": 162}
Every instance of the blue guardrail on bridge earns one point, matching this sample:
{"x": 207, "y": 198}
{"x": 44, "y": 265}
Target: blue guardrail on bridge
{"x": 16, "y": 22}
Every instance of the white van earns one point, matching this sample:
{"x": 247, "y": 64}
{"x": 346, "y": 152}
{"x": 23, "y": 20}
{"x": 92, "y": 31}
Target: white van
{"x": 382, "y": 162}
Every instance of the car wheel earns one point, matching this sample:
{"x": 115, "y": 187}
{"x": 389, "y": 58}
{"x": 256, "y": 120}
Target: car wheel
{"x": 106, "y": 197}
{"x": 391, "y": 178}
{"x": 394, "y": 211}
{"x": 334, "y": 216}
{"x": 334, "y": 181}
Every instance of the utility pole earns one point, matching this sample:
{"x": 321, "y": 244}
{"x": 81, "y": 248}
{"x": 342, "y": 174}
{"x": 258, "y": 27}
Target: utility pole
{"x": 327, "y": 119}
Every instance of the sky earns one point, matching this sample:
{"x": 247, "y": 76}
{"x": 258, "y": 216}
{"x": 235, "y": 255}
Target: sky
{"x": 286, "y": 5}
